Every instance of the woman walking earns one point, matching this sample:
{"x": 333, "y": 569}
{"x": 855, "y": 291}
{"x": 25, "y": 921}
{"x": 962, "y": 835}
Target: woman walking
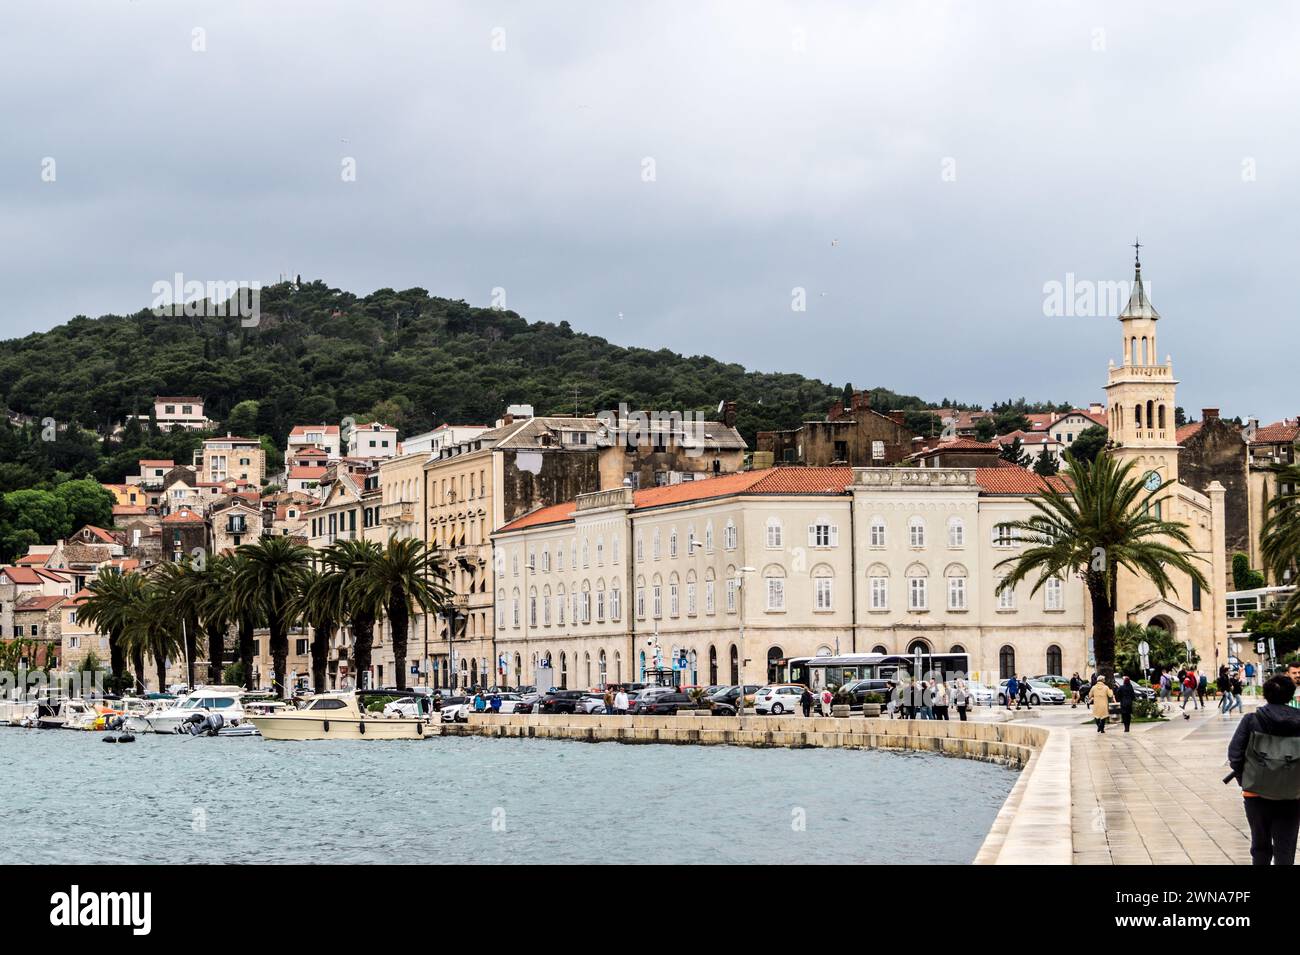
{"x": 1099, "y": 697}
{"x": 961, "y": 699}
{"x": 939, "y": 703}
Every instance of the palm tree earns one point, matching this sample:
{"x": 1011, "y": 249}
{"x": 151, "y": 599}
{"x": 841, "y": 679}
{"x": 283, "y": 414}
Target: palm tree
{"x": 243, "y": 610}
{"x": 1280, "y": 537}
{"x": 268, "y": 581}
{"x": 407, "y": 575}
{"x": 318, "y": 605}
{"x": 1102, "y": 520}
{"x": 108, "y": 607}
{"x": 215, "y": 611}
{"x": 182, "y": 586}
{"x": 153, "y": 629}
{"x": 357, "y": 603}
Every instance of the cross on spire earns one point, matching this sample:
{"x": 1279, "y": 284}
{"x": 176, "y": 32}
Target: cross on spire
{"x": 1137, "y": 246}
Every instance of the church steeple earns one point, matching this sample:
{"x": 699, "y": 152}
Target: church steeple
{"x": 1140, "y": 391}
{"x": 1139, "y": 306}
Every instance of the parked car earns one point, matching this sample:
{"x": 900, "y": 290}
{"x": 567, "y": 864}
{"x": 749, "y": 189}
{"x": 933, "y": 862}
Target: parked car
{"x": 591, "y": 703}
{"x": 455, "y": 709}
{"x": 857, "y": 691}
{"x": 406, "y": 706}
{"x": 1039, "y": 693}
{"x": 560, "y": 701}
{"x": 723, "y": 702}
{"x": 778, "y": 698}
{"x": 663, "y": 704}
{"x": 981, "y": 693}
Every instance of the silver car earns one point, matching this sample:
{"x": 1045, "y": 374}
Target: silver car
{"x": 1039, "y": 693}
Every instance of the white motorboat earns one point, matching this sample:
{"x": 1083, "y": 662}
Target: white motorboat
{"x": 69, "y": 713}
{"x": 339, "y": 716}
{"x": 197, "y": 706}
{"x": 17, "y": 712}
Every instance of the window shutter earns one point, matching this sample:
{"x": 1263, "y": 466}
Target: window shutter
{"x": 812, "y": 535}
{"x": 835, "y": 535}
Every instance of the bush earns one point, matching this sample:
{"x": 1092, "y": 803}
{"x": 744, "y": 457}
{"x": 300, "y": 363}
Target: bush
{"x": 1146, "y": 710}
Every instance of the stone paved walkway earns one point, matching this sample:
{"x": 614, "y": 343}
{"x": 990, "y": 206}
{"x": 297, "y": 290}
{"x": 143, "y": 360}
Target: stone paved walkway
{"x": 1155, "y": 795}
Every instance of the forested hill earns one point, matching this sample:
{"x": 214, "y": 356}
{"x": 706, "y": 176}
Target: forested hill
{"x": 414, "y": 360}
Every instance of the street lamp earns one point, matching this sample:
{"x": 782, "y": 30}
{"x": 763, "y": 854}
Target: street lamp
{"x": 740, "y": 651}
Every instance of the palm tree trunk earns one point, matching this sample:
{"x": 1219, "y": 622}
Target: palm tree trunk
{"x": 399, "y": 624}
{"x": 216, "y": 651}
{"x": 363, "y": 636}
{"x": 246, "y": 650}
{"x": 1103, "y": 624}
{"x": 137, "y": 663}
{"x": 160, "y": 661}
{"x": 116, "y": 658}
{"x": 320, "y": 648}
{"x": 279, "y": 657}
{"x": 191, "y": 649}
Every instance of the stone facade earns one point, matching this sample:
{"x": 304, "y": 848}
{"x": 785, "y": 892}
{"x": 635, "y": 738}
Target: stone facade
{"x": 1214, "y": 449}
{"x": 857, "y": 436}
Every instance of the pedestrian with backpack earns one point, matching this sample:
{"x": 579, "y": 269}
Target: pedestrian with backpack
{"x": 1234, "y": 694}
{"x": 1013, "y": 690}
{"x": 1265, "y": 758}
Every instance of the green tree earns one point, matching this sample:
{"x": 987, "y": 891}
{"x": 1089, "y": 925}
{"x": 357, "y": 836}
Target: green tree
{"x": 86, "y": 502}
{"x": 1105, "y": 521}
{"x": 359, "y": 603}
{"x": 108, "y": 606}
{"x": 1243, "y": 577}
{"x": 244, "y": 609}
{"x": 269, "y": 578}
{"x": 153, "y": 630}
{"x": 1280, "y": 537}
{"x": 1090, "y": 442}
{"x": 318, "y": 605}
{"x": 1045, "y": 464}
{"x": 242, "y": 419}
{"x": 1014, "y": 453}
{"x": 1164, "y": 650}
{"x": 406, "y": 576}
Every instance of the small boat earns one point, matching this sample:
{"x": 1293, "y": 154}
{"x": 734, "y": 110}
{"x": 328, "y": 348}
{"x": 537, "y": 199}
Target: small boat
{"x": 17, "y": 712}
{"x": 202, "y": 702}
{"x": 338, "y": 716}
{"x": 68, "y": 713}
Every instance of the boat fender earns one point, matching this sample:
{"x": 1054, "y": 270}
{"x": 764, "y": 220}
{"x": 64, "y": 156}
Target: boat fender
{"x": 110, "y": 739}
{"x": 363, "y": 727}
{"x": 327, "y": 725}
{"x": 126, "y": 738}
{"x": 419, "y": 729}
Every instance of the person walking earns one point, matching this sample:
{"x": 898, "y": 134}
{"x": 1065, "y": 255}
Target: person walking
{"x": 1224, "y": 686}
{"x": 806, "y": 701}
{"x": 608, "y": 697}
{"x": 1166, "y": 685}
{"x": 1188, "y": 683}
{"x": 620, "y": 702}
{"x": 1202, "y": 687}
{"x": 1265, "y": 758}
{"x": 1126, "y": 694}
{"x": 961, "y": 699}
{"x": 1099, "y": 698}
{"x": 1024, "y": 693}
{"x": 924, "y": 710}
{"x": 939, "y": 700}
{"x": 1013, "y": 690}
{"x": 1293, "y": 674}
{"x": 1075, "y": 685}
{"x": 827, "y": 699}
{"x": 1234, "y": 692}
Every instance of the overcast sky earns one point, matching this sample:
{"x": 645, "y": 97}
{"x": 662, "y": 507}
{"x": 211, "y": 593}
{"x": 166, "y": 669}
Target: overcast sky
{"x": 667, "y": 174}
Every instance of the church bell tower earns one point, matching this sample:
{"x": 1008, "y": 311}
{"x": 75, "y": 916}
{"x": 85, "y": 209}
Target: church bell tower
{"x": 1140, "y": 390}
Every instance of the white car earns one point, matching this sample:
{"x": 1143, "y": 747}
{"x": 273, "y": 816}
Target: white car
{"x": 1039, "y": 693}
{"x": 778, "y": 698}
{"x": 980, "y": 693}
{"x": 406, "y": 706}
{"x": 588, "y": 704}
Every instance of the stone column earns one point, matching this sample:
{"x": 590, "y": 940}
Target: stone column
{"x": 1219, "y": 558}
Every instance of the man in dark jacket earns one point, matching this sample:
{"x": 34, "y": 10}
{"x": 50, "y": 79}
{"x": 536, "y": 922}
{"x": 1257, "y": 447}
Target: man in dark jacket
{"x": 1126, "y": 695}
{"x": 1273, "y": 822}
{"x": 806, "y": 701}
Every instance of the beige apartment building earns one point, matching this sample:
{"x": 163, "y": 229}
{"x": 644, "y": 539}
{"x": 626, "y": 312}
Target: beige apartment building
{"x": 231, "y": 459}
{"x": 805, "y": 561}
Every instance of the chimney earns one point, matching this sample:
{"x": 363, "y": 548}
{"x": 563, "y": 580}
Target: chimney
{"x": 861, "y": 401}
{"x": 507, "y": 419}
{"x": 837, "y": 410}
{"x": 1209, "y": 414}
{"x": 729, "y": 414}
{"x": 898, "y": 418}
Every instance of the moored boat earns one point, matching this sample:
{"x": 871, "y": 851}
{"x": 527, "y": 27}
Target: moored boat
{"x": 338, "y": 716}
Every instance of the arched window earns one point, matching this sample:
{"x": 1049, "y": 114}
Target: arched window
{"x": 1151, "y": 417}
{"x": 957, "y": 648}
{"x": 602, "y": 668}
{"x": 618, "y": 666}
{"x": 773, "y": 533}
{"x": 713, "y": 665}
{"x": 1054, "y": 660}
{"x": 642, "y": 666}
{"x": 918, "y": 596}
{"x": 514, "y": 607}
{"x": 600, "y": 604}
{"x": 956, "y": 575}
{"x": 560, "y": 603}
{"x": 916, "y": 532}
{"x": 615, "y": 602}
{"x": 519, "y": 670}
{"x": 877, "y": 534}
{"x": 672, "y": 542}
{"x": 917, "y": 646}
{"x": 1137, "y": 416}
{"x": 878, "y": 587}
{"x": 564, "y": 671}
{"x": 774, "y": 588}
{"x": 674, "y": 596}
{"x": 823, "y": 579}
{"x": 692, "y": 660}
{"x": 956, "y": 532}
{"x": 586, "y": 668}
{"x": 1161, "y": 417}
{"x": 775, "y": 664}
{"x": 1007, "y": 662}
{"x": 735, "y": 666}
{"x": 655, "y": 545}
{"x": 879, "y": 648}
{"x": 546, "y": 603}
{"x": 501, "y": 609}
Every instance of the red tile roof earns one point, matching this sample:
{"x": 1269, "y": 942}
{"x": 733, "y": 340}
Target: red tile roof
{"x": 781, "y": 480}
{"x": 128, "y": 510}
{"x": 1280, "y": 432}
{"x": 960, "y": 444}
{"x": 100, "y": 534}
{"x": 184, "y": 516}
{"x": 36, "y": 602}
{"x": 1017, "y": 481}
{"x": 305, "y": 472}
{"x": 22, "y": 575}
{"x": 28, "y": 560}
{"x": 303, "y": 429}
{"x": 150, "y": 463}
{"x": 1187, "y": 431}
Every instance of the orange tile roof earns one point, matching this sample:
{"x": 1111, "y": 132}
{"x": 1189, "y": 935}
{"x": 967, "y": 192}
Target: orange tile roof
{"x": 1280, "y": 432}
{"x": 127, "y": 510}
{"x": 959, "y": 444}
{"x": 28, "y": 560}
{"x": 781, "y": 480}
{"x": 304, "y": 472}
{"x": 101, "y": 534}
{"x": 184, "y": 516}
{"x": 21, "y": 575}
{"x": 158, "y": 463}
{"x": 1017, "y": 481}
{"x": 1187, "y": 431}
{"x": 38, "y": 603}
{"x": 303, "y": 429}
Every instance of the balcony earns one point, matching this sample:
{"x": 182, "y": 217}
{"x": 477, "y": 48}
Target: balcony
{"x": 397, "y": 512}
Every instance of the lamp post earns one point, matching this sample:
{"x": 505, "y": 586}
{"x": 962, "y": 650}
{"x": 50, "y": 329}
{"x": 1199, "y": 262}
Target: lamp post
{"x": 740, "y": 649}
